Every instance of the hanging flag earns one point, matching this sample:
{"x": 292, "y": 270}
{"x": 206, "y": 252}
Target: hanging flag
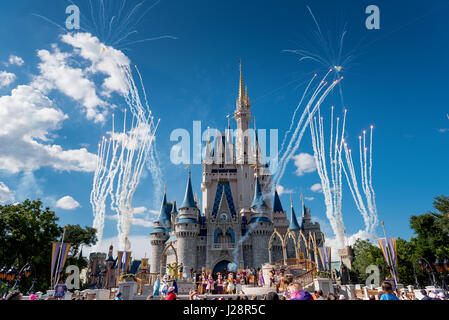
{"x": 325, "y": 256}
{"x": 59, "y": 254}
{"x": 119, "y": 262}
{"x": 389, "y": 250}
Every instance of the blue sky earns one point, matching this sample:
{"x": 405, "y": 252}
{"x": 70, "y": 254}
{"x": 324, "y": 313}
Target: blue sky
{"x": 397, "y": 81}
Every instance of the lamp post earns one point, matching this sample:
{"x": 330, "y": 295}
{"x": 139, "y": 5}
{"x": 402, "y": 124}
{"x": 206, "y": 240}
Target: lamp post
{"x": 2, "y": 279}
{"x": 441, "y": 267}
{"x": 10, "y": 276}
{"x": 425, "y": 265}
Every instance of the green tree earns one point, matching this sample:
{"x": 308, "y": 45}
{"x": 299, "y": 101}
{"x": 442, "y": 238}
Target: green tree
{"x": 366, "y": 254}
{"x": 26, "y": 235}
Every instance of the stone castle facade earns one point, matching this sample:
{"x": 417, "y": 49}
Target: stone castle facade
{"x": 236, "y": 220}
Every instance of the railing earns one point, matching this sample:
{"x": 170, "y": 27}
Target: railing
{"x": 308, "y": 266}
{"x": 223, "y": 246}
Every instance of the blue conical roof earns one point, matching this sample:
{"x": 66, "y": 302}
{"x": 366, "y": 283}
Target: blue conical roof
{"x": 258, "y": 196}
{"x": 294, "y": 226}
{"x": 164, "y": 216}
{"x": 277, "y": 203}
{"x": 175, "y": 209}
{"x": 189, "y": 199}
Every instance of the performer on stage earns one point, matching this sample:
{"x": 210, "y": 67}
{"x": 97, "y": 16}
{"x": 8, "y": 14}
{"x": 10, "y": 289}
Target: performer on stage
{"x": 231, "y": 284}
{"x": 272, "y": 275}
{"x": 260, "y": 277}
{"x": 201, "y": 281}
{"x": 239, "y": 281}
{"x": 220, "y": 283}
{"x": 210, "y": 284}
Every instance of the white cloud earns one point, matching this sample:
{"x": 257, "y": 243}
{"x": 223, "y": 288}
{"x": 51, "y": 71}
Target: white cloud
{"x": 305, "y": 163}
{"x": 140, "y": 246}
{"x": 15, "y": 60}
{"x": 105, "y": 60}
{"x": 140, "y": 210}
{"x": 27, "y": 118}
{"x": 443, "y": 130}
{"x": 281, "y": 190}
{"x": 56, "y": 73}
{"x": 350, "y": 240}
{"x": 67, "y": 203}
{"x": 6, "y": 78}
{"x": 317, "y": 188}
{"x": 309, "y": 198}
{"x": 6, "y": 195}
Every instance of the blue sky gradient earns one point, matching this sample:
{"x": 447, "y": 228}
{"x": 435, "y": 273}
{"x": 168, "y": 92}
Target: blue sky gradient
{"x": 397, "y": 81}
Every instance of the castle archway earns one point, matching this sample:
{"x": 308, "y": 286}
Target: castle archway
{"x": 221, "y": 266}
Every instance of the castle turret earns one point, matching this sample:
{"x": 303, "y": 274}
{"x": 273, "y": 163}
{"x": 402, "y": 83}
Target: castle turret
{"x": 187, "y": 229}
{"x": 159, "y": 236}
{"x": 279, "y": 215}
{"x": 260, "y": 226}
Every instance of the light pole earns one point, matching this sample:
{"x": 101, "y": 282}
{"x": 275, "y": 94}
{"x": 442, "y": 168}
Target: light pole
{"x": 425, "y": 265}
{"x": 3, "y": 272}
{"x": 441, "y": 267}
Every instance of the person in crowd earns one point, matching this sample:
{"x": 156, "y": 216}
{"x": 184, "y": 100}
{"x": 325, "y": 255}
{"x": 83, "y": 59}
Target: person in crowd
{"x": 171, "y": 295}
{"x": 245, "y": 298}
{"x": 342, "y": 297}
{"x": 320, "y": 295}
{"x": 330, "y": 296}
{"x": 118, "y": 296}
{"x": 441, "y": 296}
{"x": 372, "y": 297}
{"x": 388, "y": 293}
{"x": 425, "y": 295}
{"x": 272, "y": 296}
{"x": 150, "y": 298}
{"x": 296, "y": 292}
{"x": 254, "y": 297}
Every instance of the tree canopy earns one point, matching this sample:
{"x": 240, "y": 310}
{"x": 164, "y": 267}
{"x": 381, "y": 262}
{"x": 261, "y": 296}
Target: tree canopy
{"x": 27, "y": 231}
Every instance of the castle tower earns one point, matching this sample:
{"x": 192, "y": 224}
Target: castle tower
{"x": 242, "y": 115}
{"x": 295, "y": 228}
{"x": 260, "y": 226}
{"x": 187, "y": 229}
{"x": 159, "y": 236}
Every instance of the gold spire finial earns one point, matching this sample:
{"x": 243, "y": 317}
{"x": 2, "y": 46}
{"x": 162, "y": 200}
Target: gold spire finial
{"x": 242, "y": 86}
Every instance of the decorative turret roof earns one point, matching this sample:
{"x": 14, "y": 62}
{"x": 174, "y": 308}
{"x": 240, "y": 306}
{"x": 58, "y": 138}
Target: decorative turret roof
{"x": 258, "y": 196}
{"x": 175, "y": 209}
{"x": 277, "y": 203}
{"x": 294, "y": 226}
{"x": 164, "y": 216}
{"x": 189, "y": 199}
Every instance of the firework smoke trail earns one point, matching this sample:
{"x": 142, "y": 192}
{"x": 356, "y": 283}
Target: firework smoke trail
{"x": 368, "y": 210}
{"x": 332, "y": 188}
{"x": 156, "y": 174}
{"x": 105, "y": 173}
{"x": 115, "y": 22}
{"x": 297, "y": 136}
{"x": 135, "y": 148}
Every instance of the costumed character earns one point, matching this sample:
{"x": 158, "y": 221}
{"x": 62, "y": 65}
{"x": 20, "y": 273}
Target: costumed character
{"x": 210, "y": 284}
{"x": 165, "y": 286}
{"x": 231, "y": 284}
{"x": 220, "y": 283}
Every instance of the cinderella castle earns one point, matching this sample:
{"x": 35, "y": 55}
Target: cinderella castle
{"x": 237, "y": 218}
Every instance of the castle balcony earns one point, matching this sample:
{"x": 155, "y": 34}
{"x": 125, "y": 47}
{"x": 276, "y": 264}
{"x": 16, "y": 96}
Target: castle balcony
{"x": 224, "y": 246}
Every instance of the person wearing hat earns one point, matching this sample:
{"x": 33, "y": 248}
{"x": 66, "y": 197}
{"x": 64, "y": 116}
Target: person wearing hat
{"x": 171, "y": 295}
{"x": 118, "y": 296}
{"x": 441, "y": 296}
{"x": 425, "y": 296}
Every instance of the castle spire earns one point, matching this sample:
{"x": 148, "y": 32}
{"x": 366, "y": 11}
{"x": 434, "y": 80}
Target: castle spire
{"x": 294, "y": 226}
{"x": 277, "y": 202}
{"x": 189, "y": 199}
{"x": 242, "y": 93}
{"x": 258, "y": 196}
